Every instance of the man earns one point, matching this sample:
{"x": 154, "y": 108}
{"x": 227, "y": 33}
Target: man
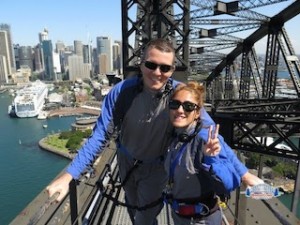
{"x": 136, "y": 110}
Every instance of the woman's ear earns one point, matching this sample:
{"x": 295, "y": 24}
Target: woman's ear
{"x": 197, "y": 116}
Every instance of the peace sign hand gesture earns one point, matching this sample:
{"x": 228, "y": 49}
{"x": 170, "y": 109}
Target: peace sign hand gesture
{"x": 212, "y": 147}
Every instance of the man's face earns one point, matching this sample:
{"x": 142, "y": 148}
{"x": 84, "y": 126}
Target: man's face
{"x": 154, "y": 77}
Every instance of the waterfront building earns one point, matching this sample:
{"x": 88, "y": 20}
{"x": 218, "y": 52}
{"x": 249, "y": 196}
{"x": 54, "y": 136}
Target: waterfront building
{"x": 22, "y": 75}
{"x": 4, "y": 50}
{"x": 10, "y": 56}
{"x": 3, "y": 70}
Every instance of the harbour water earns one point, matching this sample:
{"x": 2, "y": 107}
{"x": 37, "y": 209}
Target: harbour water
{"x": 25, "y": 169}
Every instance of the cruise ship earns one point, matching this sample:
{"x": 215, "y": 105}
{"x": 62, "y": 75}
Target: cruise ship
{"x": 29, "y": 101}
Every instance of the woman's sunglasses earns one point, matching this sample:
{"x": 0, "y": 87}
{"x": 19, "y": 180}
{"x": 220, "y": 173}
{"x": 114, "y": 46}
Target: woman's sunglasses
{"x": 162, "y": 68}
{"x": 187, "y": 106}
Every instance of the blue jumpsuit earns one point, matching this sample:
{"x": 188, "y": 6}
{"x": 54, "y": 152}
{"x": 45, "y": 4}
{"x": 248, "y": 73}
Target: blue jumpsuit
{"x": 140, "y": 120}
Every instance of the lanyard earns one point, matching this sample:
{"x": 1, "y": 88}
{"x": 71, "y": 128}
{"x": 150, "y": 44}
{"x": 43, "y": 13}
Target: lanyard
{"x": 175, "y": 162}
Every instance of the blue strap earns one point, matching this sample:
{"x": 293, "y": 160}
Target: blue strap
{"x": 175, "y": 162}
{"x": 198, "y": 208}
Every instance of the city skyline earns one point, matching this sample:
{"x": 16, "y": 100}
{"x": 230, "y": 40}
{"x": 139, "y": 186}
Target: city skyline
{"x": 87, "y": 20}
{"x": 66, "y": 22}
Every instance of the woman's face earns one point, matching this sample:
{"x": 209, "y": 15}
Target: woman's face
{"x": 187, "y": 111}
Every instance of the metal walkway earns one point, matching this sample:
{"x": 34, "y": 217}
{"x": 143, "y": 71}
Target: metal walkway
{"x": 85, "y": 205}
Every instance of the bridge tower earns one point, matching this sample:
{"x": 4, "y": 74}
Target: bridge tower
{"x": 147, "y": 19}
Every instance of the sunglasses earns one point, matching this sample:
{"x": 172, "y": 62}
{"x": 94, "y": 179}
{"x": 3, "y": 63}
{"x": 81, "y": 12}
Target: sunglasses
{"x": 187, "y": 106}
{"x": 162, "y": 68}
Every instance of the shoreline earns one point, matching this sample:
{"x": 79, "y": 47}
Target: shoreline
{"x": 70, "y": 111}
{"x": 52, "y": 149}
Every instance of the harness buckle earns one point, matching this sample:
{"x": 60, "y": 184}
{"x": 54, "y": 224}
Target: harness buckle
{"x": 137, "y": 162}
{"x": 190, "y": 210}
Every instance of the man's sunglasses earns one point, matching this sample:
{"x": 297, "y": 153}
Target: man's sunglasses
{"x": 153, "y": 66}
{"x": 187, "y": 106}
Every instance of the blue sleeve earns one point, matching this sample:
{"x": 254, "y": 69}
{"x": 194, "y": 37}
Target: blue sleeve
{"x": 240, "y": 168}
{"x": 226, "y": 165}
{"x": 225, "y": 170}
{"x": 102, "y": 132}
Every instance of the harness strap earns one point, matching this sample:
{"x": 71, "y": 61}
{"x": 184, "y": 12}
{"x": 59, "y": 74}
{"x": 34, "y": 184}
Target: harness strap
{"x": 140, "y": 208}
{"x": 136, "y": 163}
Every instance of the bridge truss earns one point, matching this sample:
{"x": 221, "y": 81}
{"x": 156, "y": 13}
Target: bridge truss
{"x": 215, "y": 44}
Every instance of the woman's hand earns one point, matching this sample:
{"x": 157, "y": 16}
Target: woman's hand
{"x": 60, "y": 185}
{"x": 212, "y": 147}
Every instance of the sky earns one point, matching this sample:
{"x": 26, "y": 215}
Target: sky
{"x": 69, "y": 20}
{"x": 66, "y": 20}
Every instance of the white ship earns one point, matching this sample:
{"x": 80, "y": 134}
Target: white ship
{"x": 29, "y": 101}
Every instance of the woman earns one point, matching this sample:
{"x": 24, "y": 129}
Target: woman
{"x": 191, "y": 160}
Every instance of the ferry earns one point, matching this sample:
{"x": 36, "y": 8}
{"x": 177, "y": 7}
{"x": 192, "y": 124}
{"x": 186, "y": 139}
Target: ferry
{"x": 29, "y": 101}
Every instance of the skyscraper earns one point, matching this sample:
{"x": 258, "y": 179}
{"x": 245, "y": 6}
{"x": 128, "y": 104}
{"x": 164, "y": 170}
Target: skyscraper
{"x": 48, "y": 59}
{"x": 104, "y": 47}
{"x": 6, "y": 27}
{"x": 43, "y": 36}
{"x": 26, "y": 56}
{"x": 38, "y": 62}
{"x": 3, "y": 70}
{"x": 116, "y": 49}
{"x": 76, "y": 68}
{"x": 78, "y": 48}
{"x": 4, "y": 50}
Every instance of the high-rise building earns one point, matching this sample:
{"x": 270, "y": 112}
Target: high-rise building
{"x": 78, "y": 48}
{"x": 6, "y": 27}
{"x": 16, "y": 52}
{"x": 116, "y": 49}
{"x": 3, "y": 70}
{"x": 48, "y": 60}
{"x": 104, "y": 47}
{"x": 59, "y": 47}
{"x": 87, "y": 54}
{"x": 38, "y": 63}
{"x": 56, "y": 64}
{"x": 76, "y": 69}
{"x": 4, "y": 50}
{"x": 43, "y": 36}
{"x": 25, "y": 56}
{"x": 103, "y": 68}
